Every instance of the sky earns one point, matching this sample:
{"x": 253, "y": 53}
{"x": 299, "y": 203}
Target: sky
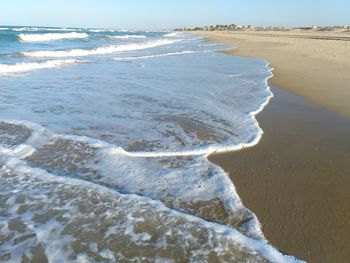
{"x": 169, "y": 14}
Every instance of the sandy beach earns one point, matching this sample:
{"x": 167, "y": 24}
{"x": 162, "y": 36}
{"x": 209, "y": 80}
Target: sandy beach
{"x": 296, "y": 180}
{"x": 313, "y": 64}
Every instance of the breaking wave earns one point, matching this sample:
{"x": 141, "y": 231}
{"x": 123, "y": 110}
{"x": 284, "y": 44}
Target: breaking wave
{"x": 161, "y": 55}
{"x": 51, "y": 36}
{"x": 173, "y": 34}
{"x": 24, "y": 67}
{"x": 100, "y": 50}
{"x": 128, "y": 36}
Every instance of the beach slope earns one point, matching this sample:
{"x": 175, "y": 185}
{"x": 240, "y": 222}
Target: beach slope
{"x": 313, "y": 64}
{"x": 296, "y": 179}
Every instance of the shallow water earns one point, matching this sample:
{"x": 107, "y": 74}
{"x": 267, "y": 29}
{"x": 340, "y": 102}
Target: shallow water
{"x": 104, "y": 138}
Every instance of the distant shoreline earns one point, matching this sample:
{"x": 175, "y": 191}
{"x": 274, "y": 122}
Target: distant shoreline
{"x": 234, "y": 27}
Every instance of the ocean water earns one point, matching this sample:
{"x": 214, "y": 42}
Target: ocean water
{"x": 104, "y": 139}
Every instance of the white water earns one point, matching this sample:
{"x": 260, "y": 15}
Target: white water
{"x": 100, "y": 50}
{"x": 26, "y": 29}
{"x": 159, "y": 55}
{"x": 128, "y": 36}
{"x": 130, "y": 219}
{"x": 134, "y": 175}
{"x": 51, "y": 36}
{"x": 110, "y": 156}
{"x": 173, "y": 34}
{"x": 30, "y": 66}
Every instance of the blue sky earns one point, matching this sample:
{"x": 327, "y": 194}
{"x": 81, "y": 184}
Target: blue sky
{"x": 172, "y": 14}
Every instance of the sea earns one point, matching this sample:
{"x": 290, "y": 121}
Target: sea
{"x": 104, "y": 142}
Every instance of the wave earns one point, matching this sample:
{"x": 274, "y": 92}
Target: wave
{"x": 32, "y": 181}
{"x": 26, "y": 29}
{"x": 161, "y": 55}
{"x": 29, "y": 161}
{"x": 51, "y": 36}
{"x": 111, "y": 30}
{"x": 98, "y": 30}
{"x": 125, "y": 30}
{"x": 210, "y": 45}
{"x": 172, "y": 34}
{"x": 18, "y": 29}
{"x": 100, "y": 50}
{"x": 4, "y": 28}
{"x": 24, "y": 67}
{"x": 102, "y": 30}
{"x": 59, "y": 29}
{"x": 128, "y": 36}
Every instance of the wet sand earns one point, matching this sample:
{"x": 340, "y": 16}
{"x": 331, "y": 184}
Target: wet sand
{"x": 297, "y": 179}
{"x": 312, "y": 64}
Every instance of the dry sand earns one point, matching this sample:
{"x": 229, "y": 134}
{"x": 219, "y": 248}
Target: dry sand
{"x": 297, "y": 179}
{"x": 309, "y": 63}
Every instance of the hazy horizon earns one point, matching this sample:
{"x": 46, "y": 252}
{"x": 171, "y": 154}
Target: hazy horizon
{"x": 156, "y": 14}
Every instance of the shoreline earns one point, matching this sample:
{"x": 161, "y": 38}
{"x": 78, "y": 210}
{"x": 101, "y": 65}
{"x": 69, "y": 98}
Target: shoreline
{"x": 297, "y": 183}
{"x": 294, "y": 180}
{"x": 313, "y": 65}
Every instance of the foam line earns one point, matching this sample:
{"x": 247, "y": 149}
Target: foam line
{"x": 51, "y": 36}
{"x": 128, "y": 36}
{"x": 172, "y": 34}
{"x": 162, "y": 55}
{"x": 205, "y": 150}
{"x": 260, "y": 246}
{"x": 100, "y": 50}
{"x": 30, "y": 66}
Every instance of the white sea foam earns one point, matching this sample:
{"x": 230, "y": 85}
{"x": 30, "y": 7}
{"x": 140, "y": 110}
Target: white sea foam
{"x": 161, "y": 55}
{"x": 125, "y": 30}
{"x": 51, "y": 36}
{"x": 100, "y": 50}
{"x": 100, "y": 30}
{"x": 134, "y": 172}
{"x": 18, "y": 29}
{"x": 29, "y": 66}
{"x": 4, "y": 28}
{"x": 97, "y": 30}
{"x": 210, "y": 45}
{"x": 145, "y": 177}
{"x": 108, "y": 213}
{"x": 59, "y": 29}
{"x": 146, "y": 132}
{"x": 172, "y": 34}
{"x": 128, "y": 36}
{"x": 26, "y": 29}
{"x": 34, "y": 29}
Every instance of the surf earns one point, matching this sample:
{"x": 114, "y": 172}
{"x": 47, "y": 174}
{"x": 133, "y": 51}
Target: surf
{"x": 100, "y": 50}
{"x": 6, "y": 69}
{"x": 128, "y": 36}
{"x": 51, "y": 36}
{"x": 30, "y": 155}
{"x": 116, "y": 150}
